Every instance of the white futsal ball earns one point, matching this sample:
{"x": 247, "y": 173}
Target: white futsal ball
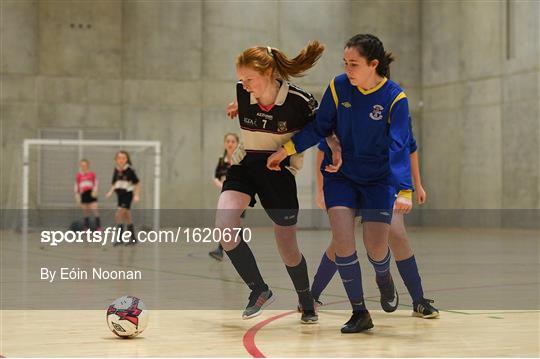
{"x": 127, "y": 317}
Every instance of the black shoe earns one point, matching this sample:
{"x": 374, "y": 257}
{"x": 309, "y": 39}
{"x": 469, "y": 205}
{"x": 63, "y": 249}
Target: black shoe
{"x": 132, "y": 241}
{"x": 133, "y": 238}
{"x": 317, "y": 304}
{"x": 360, "y": 321}
{"x": 425, "y": 310}
{"x": 389, "y": 295}
{"x": 309, "y": 317}
{"x": 217, "y": 254}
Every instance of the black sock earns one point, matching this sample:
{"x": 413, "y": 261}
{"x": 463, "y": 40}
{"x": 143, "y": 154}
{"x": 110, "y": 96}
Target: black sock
{"x": 120, "y": 240}
{"x": 132, "y": 230}
{"x": 300, "y": 279}
{"x": 245, "y": 264}
{"x": 86, "y": 222}
{"x": 98, "y": 222}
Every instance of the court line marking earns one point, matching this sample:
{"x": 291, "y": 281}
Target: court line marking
{"x": 249, "y": 337}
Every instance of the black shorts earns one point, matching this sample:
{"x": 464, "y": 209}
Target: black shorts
{"x": 276, "y": 189}
{"x": 124, "y": 199}
{"x": 86, "y": 197}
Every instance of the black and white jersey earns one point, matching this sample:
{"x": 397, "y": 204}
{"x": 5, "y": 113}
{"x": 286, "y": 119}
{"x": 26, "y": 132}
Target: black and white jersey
{"x": 222, "y": 168}
{"x": 264, "y": 130}
{"x": 124, "y": 180}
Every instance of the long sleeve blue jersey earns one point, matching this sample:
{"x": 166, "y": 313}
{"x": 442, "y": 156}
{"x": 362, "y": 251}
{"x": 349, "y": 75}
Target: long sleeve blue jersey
{"x": 394, "y": 158}
{"x": 372, "y": 126}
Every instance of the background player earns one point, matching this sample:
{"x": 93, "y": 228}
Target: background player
{"x": 86, "y": 191}
{"x": 370, "y": 116}
{"x": 126, "y": 184}
{"x": 399, "y": 242}
{"x": 270, "y": 111}
{"x": 230, "y": 143}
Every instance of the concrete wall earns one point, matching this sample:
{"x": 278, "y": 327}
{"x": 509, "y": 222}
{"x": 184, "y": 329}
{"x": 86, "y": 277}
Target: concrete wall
{"x": 481, "y": 114}
{"x": 165, "y": 71}
{"x": 154, "y": 70}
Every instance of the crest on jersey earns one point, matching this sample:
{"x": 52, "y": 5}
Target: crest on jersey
{"x": 376, "y": 113}
{"x": 346, "y": 104}
{"x": 282, "y": 126}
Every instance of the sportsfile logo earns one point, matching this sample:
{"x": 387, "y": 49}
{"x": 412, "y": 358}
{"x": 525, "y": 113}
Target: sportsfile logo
{"x": 115, "y": 235}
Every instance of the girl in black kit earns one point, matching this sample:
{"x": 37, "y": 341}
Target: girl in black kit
{"x": 127, "y": 186}
{"x": 270, "y": 111}
{"x": 230, "y": 143}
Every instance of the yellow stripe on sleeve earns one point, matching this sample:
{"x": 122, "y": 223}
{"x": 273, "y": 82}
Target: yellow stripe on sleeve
{"x": 290, "y": 148}
{"x": 405, "y": 193}
{"x": 334, "y": 93}
{"x": 398, "y": 97}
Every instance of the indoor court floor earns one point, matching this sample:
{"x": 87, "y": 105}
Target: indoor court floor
{"x": 484, "y": 281}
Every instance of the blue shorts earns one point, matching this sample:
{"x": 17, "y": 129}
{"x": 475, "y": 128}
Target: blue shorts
{"x": 374, "y": 202}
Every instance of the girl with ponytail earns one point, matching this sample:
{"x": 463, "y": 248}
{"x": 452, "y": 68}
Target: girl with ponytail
{"x": 270, "y": 111}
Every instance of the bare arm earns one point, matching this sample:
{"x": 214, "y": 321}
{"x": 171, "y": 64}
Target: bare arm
{"x": 415, "y": 169}
{"x": 335, "y": 147}
{"x": 77, "y": 195}
{"x": 421, "y": 194}
{"x": 95, "y": 189}
{"x": 109, "y": 192}
{"x": 319, "y": 180}
{"x": 218, "y": 183}
{"x": 136, "y": 192}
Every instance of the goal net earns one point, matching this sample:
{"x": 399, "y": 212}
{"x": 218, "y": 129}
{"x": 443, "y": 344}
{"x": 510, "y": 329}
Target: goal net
{"x": 50, "y": 167}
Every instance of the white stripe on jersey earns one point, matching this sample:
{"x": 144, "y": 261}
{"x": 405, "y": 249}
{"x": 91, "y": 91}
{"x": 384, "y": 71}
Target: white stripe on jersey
{"x": 122, "y": 184}
{"x": 299, "y": 94}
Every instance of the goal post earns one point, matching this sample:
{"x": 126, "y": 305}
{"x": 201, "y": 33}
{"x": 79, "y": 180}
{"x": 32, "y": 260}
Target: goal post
{"x": 47, "y": 167}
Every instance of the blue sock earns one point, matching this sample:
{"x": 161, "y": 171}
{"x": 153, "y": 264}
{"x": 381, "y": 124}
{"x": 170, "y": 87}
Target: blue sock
{"x": 409, "y": 272}
{"x": 349, "y": 271}
{"x": 382, "y": 268}
{"x": 324, "y": 275}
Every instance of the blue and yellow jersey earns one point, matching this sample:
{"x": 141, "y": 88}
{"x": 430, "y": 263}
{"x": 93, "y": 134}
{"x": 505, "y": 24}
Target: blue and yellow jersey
{"x": 395, "y": 157}
{"x": 371, "y": 126}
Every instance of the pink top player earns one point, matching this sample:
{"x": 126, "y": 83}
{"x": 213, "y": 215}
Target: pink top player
{"x": 85, "y": 181}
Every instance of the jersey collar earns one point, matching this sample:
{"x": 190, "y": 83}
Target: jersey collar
{"x": 280, "y": 98}
{"x": 372, "y": 90}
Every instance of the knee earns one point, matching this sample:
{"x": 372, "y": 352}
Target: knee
{"x": 397, "y": 236}
{"x": 225, "y": 218}
{"x": 292, "y": 258}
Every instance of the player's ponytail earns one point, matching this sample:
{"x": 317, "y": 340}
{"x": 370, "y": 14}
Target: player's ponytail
{"x": 267, "y": 58}
{"x": 308, "y": 56}
{"x": 370, "y": 47}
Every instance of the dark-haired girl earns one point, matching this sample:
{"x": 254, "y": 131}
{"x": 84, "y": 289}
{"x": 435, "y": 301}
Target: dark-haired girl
{"x": 270, "y": 111}
{"x": 398, "y": 238}
{"x": 126, "y": 185}
{"x": 369, "y": 114}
